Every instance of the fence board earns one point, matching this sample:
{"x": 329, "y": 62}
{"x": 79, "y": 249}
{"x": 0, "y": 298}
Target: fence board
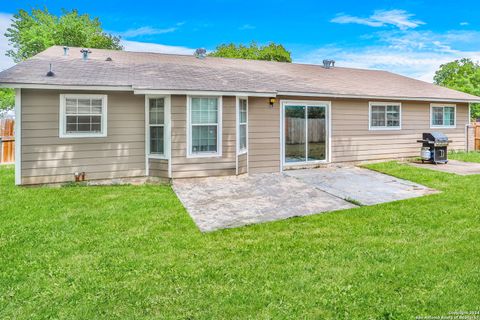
{"x": 477, "y": 136}
{"x": 7, "y": 144}
{"x": 295, "y": 130}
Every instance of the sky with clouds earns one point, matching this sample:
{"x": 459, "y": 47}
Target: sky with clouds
{"x": 408, "y": 37}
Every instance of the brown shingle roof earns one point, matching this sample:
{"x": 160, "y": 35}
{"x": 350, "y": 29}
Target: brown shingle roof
{"x": 154, "y": 71}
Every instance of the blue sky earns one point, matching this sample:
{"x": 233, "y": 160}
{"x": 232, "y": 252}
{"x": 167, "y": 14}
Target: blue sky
{"x": 408, "y": 37}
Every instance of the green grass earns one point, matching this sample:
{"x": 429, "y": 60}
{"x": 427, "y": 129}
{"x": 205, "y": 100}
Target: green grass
{"x": 132, "y": 252}
{"x": 465, "y": 156}
{"x": 296, "y": 151}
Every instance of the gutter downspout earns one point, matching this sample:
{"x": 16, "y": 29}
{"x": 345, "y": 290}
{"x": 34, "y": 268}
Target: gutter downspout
{"x": 18, "y": 136}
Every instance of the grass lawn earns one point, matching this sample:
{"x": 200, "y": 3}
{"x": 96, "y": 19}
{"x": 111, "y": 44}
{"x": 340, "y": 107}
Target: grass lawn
{"x": 129, "y": 252}
{"x": 296, "y": 151}
{"x": 465, "y": 156}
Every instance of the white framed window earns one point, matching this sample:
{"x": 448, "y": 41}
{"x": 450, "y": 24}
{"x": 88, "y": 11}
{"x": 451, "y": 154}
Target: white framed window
{"x": 83, "y": 116}
{"x": 156, "y": 126}
{"x": 242, "y": 121}
{"x": 385, "y": 116}
{"x": 204, "y": 120}
{"x": 443, "y": 116}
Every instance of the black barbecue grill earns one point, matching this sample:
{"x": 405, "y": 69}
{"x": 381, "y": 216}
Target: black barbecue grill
{"x": 434, "y": 147}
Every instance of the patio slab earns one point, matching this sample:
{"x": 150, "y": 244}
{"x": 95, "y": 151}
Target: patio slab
{"x": 453, "y": 166}
{"x": 227, "y": 202}
{"x": 361, "y": 185}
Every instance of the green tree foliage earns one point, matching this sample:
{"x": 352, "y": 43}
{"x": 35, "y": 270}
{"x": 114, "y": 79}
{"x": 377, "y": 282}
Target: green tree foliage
{"x": 33, "y": 32}
{"x": 462, "y": 75}
{"x": 269, "y": 52}
{"x": 7, "y": 99}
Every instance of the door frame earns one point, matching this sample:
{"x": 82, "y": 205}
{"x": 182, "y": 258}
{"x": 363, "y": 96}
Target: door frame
{"x": 328, "y": 131}
{"x": 167, "y": 127}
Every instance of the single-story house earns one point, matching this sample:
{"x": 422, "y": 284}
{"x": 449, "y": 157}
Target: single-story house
{"x": 118, "y": 114}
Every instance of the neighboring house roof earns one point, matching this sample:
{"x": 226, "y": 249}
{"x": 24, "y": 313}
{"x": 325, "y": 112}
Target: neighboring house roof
{"x": 154, "y": 71}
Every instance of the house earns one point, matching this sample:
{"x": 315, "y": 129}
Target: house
{"x": 115, "y": 114}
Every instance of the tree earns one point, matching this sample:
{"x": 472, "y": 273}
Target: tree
{"x": 33, "y": 32}
{"x": 270, "y": 52}
{"x": 462, "y": 75}
{"x": 7, "y": 99}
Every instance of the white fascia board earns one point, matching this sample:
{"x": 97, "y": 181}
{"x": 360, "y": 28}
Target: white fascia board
{"x": 347, "y": 96}
{"x": 64, "y": 87}
{"x": 206, "y": 93}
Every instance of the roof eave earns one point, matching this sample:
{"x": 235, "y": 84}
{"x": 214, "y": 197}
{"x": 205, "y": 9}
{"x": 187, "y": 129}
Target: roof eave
{"x": 226, "y": 93}
{"x": 206, "y": 92}
{"x": 16, "y": 85}
{"x": 350, "y": 96}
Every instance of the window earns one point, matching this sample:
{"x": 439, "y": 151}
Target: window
{"x": 156, "y": 122}
{"x": 242, "y": 125}
{"x": 204, "y": 114}
{"x": 83, "y": 116}
{"x": 442, "y": 116}
{"x": 385, "y": 116}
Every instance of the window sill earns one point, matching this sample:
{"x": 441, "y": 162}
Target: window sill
{"x": 204, "y": 155}
{"x": 384, "y": 128}
{"x": 157, "y": 156}
{"x": 443, "y": 127}
{"x": 241, "y": 152}
{"x": 72, "y": 136}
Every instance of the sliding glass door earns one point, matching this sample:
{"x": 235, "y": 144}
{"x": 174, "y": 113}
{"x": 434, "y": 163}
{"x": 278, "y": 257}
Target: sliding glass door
{"x": 305, "y": 133}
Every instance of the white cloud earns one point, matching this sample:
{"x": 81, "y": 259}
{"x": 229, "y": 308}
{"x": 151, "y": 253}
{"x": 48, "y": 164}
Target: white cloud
{"x": 149, "y": 31}
{"x": 155, "y": 47}
{"x": 464, "y": 23}
{"x": 411, "y": 53}
{"x": 5, "y": 21}
{"x": 419, "y": 65}
{"x": 6, "y": 62}
{"x": 380, "y": 18}
{"x": 246, "y": 27}
{"x": 146, "y": 31}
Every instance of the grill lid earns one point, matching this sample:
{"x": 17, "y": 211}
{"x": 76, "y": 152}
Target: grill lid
{"x": 435, "y": 136}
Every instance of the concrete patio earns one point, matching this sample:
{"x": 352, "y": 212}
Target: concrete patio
{"x": 227, "y": 202}
{"x": 361, "y": 185}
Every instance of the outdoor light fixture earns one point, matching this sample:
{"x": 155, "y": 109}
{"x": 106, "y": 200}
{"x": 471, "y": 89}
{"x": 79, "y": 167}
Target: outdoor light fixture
{"x": 272, "y": 101}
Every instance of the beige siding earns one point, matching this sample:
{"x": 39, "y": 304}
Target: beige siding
{"x": 46, "y": 158}
{"x": 242, "y": 163}
{"x": 183, "y": 167}
{"x": 158, "y": 168}
{"x": 263, "y": 136}
{"x": 352, "y": 140}
{"x": 471, "y": 138}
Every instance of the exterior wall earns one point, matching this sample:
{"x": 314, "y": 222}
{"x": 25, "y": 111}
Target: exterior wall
{"x": 183, "y": 167}
{"x": 352, "y": 141}
{"x": 263, "y": 136}
{"x": 242, "y": 163}
{"x": 46, "y": 158}
{"x": 471, "y": 138}
{"x": 158, "y": 168}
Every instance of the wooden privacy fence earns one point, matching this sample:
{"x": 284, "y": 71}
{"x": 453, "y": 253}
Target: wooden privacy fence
{"x": 476, "y": 135}
{"x": 7, "y": 141}
{"x": 295, "y": 130}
